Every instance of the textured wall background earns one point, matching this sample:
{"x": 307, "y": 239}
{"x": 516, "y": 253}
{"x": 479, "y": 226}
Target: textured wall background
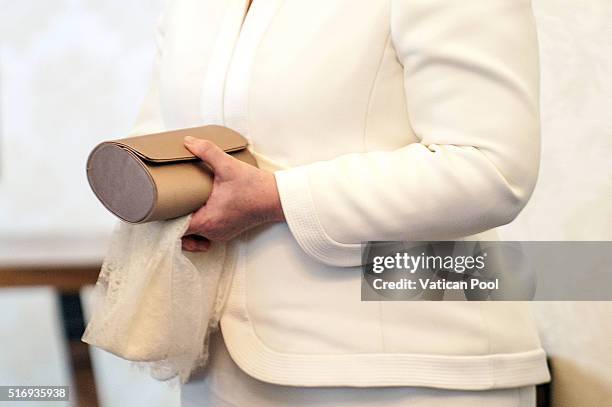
{"x": 573, "y": 198}
{"x": 73, "y": 72}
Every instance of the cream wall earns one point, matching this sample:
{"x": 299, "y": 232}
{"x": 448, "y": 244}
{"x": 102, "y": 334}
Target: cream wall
{"x": 72, "y": 72}
{"x": 573, "y": 198}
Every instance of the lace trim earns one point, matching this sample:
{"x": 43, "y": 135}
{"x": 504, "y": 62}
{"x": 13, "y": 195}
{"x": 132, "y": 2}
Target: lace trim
{"x": 156, "y": 305}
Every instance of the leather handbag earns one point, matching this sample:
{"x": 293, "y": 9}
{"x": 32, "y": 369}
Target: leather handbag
{"x": 154, "y": 177}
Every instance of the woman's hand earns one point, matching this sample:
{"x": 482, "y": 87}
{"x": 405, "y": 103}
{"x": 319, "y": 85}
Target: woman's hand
{"x": 242, "y": 197}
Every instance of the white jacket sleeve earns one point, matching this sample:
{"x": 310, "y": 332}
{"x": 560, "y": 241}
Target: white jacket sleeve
{"x": 471, "y": 78}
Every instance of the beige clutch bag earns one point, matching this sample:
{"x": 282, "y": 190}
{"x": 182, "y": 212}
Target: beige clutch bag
{"x": 154, "y": 177}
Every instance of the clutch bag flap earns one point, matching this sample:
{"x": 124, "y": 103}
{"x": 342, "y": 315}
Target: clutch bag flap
{"x": 154, "y": 177}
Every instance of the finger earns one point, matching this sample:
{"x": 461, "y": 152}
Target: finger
{"x": 209, "y": 152}
{"x": 201, "y": 220}
{"x": 192, "y": 228}
{"x": 194, "y": 243}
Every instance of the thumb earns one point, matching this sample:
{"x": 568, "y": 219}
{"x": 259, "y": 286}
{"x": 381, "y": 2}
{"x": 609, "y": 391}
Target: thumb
{"x": 208, "y": 152}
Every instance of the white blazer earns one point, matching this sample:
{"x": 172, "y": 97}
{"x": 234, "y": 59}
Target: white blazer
{"x": 383, "y": 120}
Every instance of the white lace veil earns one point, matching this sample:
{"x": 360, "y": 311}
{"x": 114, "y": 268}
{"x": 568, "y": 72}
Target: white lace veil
{"x": 155, "y": 304}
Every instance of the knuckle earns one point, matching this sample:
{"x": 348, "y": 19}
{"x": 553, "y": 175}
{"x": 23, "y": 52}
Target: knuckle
{"x": 206, "y": 145}
{"x": 196, "y": 225}
{"x": 215, "y": 229}
{"x": 226, "y": 168}
{"x": 199, "y": 147}
{"x": 210, "y": 225}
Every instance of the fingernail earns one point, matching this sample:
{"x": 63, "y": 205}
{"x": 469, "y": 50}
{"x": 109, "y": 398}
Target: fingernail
{"x": 189, "y": 139}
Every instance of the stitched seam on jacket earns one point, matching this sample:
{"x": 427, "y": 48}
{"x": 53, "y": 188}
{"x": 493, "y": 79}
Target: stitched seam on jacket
{"x": 365, "y": 131}
{"x": 364, "y": 148}
{"x": 372, "y": 89}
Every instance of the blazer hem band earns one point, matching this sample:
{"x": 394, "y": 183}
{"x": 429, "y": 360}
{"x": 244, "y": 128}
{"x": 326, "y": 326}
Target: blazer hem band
{"x": 481, "y": 372}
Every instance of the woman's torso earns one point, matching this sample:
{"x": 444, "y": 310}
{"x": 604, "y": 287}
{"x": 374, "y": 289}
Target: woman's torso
{"x": 308, "y": 81}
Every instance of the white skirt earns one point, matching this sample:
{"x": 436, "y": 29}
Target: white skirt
{"x": 224, "y": 384}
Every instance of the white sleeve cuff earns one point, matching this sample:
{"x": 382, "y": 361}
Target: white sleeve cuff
{"x": 301, "y": 215}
